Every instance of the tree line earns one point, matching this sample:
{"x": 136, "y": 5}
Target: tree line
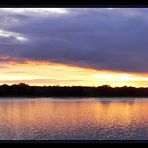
{"x": 24, "y": 90}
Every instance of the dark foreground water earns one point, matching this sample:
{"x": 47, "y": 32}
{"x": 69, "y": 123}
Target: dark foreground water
{"x": 79, "y": 119}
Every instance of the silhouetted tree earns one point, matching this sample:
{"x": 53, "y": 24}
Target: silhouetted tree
{"x": 23, "y": 89}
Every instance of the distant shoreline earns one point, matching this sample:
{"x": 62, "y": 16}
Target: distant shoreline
{"x": 24, "y": 90}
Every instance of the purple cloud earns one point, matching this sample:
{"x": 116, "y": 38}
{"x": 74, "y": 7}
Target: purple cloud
{"x": 101, "y": 38}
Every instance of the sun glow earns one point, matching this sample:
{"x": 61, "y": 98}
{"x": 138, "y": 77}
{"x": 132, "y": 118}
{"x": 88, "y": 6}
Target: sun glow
{"x": 47, "y": 73}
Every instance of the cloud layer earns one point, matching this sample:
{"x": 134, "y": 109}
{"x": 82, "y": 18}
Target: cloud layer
{"x": 98, "y": 38}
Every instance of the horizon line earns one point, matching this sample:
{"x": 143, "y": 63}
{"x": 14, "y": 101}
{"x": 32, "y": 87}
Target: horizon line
{"x": 58, "y": 85}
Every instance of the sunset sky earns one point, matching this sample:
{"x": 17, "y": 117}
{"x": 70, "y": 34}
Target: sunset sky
{"x": 74, "y": 46}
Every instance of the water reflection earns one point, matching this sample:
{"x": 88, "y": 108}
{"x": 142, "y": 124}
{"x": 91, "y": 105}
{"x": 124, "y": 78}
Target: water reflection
{"x": 93, "y": 119}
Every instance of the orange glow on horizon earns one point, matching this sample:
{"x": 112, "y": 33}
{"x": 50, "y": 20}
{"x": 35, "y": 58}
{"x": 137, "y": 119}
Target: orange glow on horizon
{"x": 48, "y": 73}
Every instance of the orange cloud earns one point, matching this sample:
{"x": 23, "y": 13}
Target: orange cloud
{"x": 47, "y": 73}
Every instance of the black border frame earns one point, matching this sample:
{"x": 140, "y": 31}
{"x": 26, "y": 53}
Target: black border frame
{"x": 74, "y": 4}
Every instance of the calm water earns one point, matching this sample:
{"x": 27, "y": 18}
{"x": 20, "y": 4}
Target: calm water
{"x": 85, "y": 119}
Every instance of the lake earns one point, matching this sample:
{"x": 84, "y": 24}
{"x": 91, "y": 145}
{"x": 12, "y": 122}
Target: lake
{"x": 74, "y": 119}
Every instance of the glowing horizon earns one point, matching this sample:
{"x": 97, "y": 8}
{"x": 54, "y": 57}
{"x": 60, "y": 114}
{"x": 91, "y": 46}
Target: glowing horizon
{"x": 48, "y": 73}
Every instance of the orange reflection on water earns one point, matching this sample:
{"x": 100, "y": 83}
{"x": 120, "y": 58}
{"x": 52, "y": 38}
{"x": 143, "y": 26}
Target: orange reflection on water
{"x": 48, "y": 119}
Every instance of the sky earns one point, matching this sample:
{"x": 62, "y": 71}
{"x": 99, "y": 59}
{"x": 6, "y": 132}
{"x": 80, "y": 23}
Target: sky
{"x": 74, "y": 46}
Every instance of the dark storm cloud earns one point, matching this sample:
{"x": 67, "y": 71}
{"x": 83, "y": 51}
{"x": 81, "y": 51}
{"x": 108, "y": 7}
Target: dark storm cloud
{"x": 110, "y": 39}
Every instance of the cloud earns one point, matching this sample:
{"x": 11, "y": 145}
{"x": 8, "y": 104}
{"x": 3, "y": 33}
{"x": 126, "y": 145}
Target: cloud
{"x": 8, "y": 34}
{"x": 101, "y": 38}
{"x": 34, "y": 11}
{"x": 36, "y": 81}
